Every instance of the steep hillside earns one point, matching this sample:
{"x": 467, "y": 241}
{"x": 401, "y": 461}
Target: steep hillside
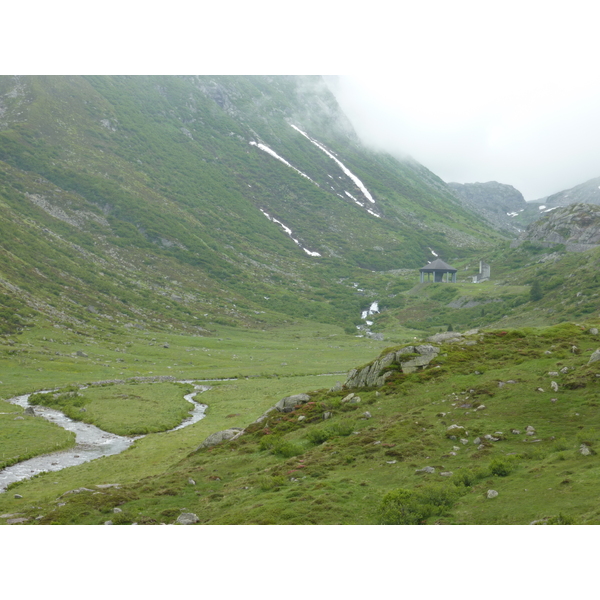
{"x": 190, "y": 201}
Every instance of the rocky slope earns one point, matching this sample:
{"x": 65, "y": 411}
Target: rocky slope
{"x": 577, "y": 226}
{"x": 498, "y": 203}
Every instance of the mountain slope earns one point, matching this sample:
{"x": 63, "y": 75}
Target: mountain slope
{"x": 216, "y": 196}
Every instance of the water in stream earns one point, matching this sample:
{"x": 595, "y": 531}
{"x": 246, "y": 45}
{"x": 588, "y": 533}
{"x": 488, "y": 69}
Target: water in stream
{"x": 91, "y": 442}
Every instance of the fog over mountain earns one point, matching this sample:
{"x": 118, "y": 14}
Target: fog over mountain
{"x": 531, "y": 134}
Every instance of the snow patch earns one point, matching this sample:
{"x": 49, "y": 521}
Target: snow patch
{"x": 347, "y": 171}
{"x": 281, "y": 159}
{"x": 432, "y": 252}
{"x": 289, "y": 232}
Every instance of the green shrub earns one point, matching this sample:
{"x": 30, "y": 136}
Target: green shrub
{"x": 401, "y": 507}
{"x": 406, "y": 507}
{"x": 500, "y": 467}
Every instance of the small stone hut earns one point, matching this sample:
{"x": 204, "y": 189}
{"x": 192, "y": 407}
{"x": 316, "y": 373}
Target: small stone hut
{"x": 439, "y": 268}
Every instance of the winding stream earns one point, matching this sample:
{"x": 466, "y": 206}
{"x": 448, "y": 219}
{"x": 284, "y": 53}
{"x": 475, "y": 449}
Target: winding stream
{"x": 91, "y": 442}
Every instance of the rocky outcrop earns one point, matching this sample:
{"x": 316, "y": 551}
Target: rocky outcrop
{"x": 221, "y": 436}
{"x": 577, "y": 226}
{"x": 288, "y": 403}
{"x": 410, "y": 359}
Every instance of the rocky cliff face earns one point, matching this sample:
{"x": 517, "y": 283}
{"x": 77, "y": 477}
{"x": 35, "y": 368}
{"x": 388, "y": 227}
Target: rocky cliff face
{"x": 498, "y": 203}
{"x": 588, "y": 192}
{"x": 577, "y": 226}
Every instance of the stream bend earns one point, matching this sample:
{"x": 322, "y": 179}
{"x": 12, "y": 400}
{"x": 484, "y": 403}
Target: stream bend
{"x": 91, "y": 441}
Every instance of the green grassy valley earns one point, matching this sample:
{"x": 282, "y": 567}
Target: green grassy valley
{"x": 159, "y": 234}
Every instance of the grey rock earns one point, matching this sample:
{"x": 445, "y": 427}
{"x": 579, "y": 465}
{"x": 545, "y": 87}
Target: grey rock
{"x": 444, "y": 337}
{"x": 595, "y": 356}
{"x": 16, "y": 521}
{"x": 530, "y": 429}
{"x": 81, "y": 353}
{"x": 191, "y": 481}
{"x": 367, "y": 415}
{"x": 492, "y": 494}
{"x": 29, "y": 411}
{"x": 425, "y": 470}
{"x": 337, "y": 387}
{"x": 477, "y": 441}
{"x": 447, "y": 474}
{"x": 348, "y": 398}
{"x": 585, "y": 450}
{"x": 18, "y": 496}
{"x": 593, "y": 330}
{"x": 553, "y": 373}
{"x": 566, "y": 369}
{"x": 19, "y": 419}
{"x": 117, "y": 510}
{"x": 187, "y": 519}
{"x": 327, "y": 415}
{"x": 221, "y": 436}
{"x": 108, "y": 522}
{"x": 288, "y": 403}
{"x": 301, "y": 417}
{"x": 166, "y": 345}
{"x": 554, "y": 386}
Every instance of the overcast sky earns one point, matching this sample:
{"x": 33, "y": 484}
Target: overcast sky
{"x": 476, "y": 91}
{"x": 510, "y": 96}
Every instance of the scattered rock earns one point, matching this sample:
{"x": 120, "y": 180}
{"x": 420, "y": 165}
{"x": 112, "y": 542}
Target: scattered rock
{"x": 16, "y": 521}
{"x": 81, "y": 353}
{"x": 426, "y": 470}
{"x": 553, "y": 373}
{"x": 30, "y": 411}
{"x": 530, "y": 429}
{"x": 595, "y": 356}
{"x": 463, "y": 441}
{"x": 492, "y": 494}
{"x": 554, "y": 386}
{"x": 566, "y": 369}
{"x": 447, "y": 474}
{"x": 585, "y": 450}
{"x": 166, "y": 345}
{"x": 348, "y": 398}
{"x": 540, "y": 389}
{"x": 117, "y": 510}
{"x": 18, "y": 496}
{"x": 516, "y": 431}
{"x": 367, "y": 415}
{"x": 187, "y": 519}
{"x": 301, "y": 417}
{"x": 327, "y": 415}
{"x": 477, "y": 441}
{"x": 191, "y": 481}
{"x": 593, "y": 331}
{"x": 19, "y": 419}
{"x": 108, "y": 522}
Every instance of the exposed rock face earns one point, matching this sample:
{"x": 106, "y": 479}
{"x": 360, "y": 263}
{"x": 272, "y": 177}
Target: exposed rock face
{"x": 577, "y": 226}
{"x": 496, "y": 202}
{"x": 374, "y": 375}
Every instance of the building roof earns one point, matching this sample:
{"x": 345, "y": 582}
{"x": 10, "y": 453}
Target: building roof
{"x": 438, "y": 265}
